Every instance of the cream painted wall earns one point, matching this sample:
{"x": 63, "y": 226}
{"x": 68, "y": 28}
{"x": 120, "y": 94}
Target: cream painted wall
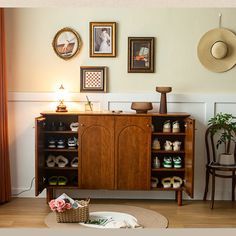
{"x": 34, "y": 67}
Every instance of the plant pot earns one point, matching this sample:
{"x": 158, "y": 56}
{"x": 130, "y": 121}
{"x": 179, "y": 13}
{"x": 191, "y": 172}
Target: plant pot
{"x": 226, "y": 159}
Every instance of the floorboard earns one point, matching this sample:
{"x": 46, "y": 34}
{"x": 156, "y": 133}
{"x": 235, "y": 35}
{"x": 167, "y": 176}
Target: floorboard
{"x": 30, "y": 212}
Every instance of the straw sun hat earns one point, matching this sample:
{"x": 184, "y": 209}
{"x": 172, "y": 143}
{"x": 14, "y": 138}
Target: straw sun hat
{"x": 217, "y": 50}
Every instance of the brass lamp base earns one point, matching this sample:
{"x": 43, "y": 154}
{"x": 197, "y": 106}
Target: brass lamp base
{"x": 61, "y": 108}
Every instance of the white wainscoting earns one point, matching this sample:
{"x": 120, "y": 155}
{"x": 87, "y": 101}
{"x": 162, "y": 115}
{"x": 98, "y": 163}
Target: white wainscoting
{"x": 24, "y": 107}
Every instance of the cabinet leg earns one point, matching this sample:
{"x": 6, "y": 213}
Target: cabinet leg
{"x": 179, "y": 197}
{"x": 49, "y": 194}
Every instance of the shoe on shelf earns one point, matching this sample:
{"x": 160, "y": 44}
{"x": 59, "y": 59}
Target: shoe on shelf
{"x": 167, "y": 162}
{"x": 156, "y": 144}
{"x": 154, "y": 182}
{"x": 74, "y": 126}
{"x": 51, "y": 143}
{"x": 166, "y": 182}
{"x": 168, "y": 145}
{"x": 61, "y": 126}
{"x": 51, "y": 161}
{"x": 52, "y": 126}
{"x": 62, "y": 180}
{"x": 61, "y": 143}
{"x": 52, "y": 180}
{"x": 72, "y": 142}
{"x": 61, "y": 161}
{"x": 167, "y": 127}
{"x": 177, "y": 162}
{"x": 175, "y": 127}
{"x": 176, "y": 181}
{"x": 176, "y": 145}
{"x": 74, "y": 162}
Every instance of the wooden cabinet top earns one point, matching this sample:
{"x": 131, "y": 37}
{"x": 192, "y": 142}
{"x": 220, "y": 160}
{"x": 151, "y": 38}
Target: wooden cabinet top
{"x": 116, "y": 113}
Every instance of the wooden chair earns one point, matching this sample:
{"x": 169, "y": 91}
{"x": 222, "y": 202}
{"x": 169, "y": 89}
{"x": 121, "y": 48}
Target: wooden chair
{"x": 215, "y": 169}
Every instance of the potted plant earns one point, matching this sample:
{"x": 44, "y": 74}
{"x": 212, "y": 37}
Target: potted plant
{"x": 224, "y": 124}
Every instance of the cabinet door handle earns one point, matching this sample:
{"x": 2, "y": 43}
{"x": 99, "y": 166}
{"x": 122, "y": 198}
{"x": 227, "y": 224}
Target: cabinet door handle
{"x": 148, "y": 125}
{"x": 81, "y": 124}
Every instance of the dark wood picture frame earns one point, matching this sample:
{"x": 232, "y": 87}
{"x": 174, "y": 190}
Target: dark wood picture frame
{"x": 141, "y": 54}
{"x": 102, "y": 39}
{"x": 93, "y": 79}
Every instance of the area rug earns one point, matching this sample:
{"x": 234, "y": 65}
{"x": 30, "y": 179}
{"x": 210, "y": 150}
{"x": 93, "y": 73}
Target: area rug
{"x": 147, "y": 218}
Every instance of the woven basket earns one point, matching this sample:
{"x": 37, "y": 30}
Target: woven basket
{"x": 80, "y": 214}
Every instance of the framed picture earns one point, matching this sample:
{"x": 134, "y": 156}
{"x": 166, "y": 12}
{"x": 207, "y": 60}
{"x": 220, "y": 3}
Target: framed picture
{"x": 93, "y": 78}
{"x": 102, "y": 39}
{"x": 141, "y": 54}
{"x": 66, "y": 43}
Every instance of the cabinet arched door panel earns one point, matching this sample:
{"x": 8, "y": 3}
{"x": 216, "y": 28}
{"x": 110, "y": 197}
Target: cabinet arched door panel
{"x": 133, "y": 142}
{"x": 96, "y": 152}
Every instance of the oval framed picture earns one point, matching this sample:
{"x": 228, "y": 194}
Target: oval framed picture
{"x": 66, "y": 43}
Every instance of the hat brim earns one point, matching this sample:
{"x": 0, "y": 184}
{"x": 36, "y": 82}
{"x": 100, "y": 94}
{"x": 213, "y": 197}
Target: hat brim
{"x": 204, "y": 50}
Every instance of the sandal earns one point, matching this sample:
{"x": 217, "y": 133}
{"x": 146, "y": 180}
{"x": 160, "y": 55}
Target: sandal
{"x": 166, "y": 182}
{"x": 62, "y": 180}
{"x": 51, "y": 161}
{"x": 176, "y": 181}
{"x": 74, "y": 162}
{"x": 52, "y": 180}
{"x": 61, "y": 161}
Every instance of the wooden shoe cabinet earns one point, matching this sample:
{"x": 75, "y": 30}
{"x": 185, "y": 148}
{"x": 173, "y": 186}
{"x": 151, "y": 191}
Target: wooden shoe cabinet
{"x": 114, "y": 151}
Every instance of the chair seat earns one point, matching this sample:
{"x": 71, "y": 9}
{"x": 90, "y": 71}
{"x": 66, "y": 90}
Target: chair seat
{"x": 217, "y": 166}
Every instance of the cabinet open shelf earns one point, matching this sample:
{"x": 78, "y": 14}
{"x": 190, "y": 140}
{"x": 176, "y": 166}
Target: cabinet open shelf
{"x": 167, "y": 189}
{"x": 168, "y": 169}
{"x": 60, "y": 132}
{"x": 168, "y": 134}
{"x": 167, "y": 152}
{"x": 61, "y": 168}
{"x": 60, "y": 150}
{"x": 62, "y": 186}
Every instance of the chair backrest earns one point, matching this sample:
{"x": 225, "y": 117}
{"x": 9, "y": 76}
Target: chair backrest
{"x": 211, "y": 143}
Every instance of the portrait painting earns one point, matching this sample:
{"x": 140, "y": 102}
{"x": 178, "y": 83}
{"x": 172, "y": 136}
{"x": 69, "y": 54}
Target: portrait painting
{"x": 102, "y": 39}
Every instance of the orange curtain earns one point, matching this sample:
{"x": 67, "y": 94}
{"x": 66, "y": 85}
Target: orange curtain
{"x": 5, "y": 180}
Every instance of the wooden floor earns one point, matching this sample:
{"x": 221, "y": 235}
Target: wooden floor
{"x": 30, "y": 212}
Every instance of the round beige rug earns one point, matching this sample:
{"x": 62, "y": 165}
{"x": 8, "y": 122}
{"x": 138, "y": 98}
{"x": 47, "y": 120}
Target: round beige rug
{"x": 147, "y": 218}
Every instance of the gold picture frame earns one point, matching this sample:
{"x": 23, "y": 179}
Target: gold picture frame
{"x": 66, "y": 43}
{"x": 102, "y": 39}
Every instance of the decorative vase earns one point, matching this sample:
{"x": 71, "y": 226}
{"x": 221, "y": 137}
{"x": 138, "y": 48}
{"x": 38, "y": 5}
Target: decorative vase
{"x": 163, "y": 103}
{"x": 226, "y": 159}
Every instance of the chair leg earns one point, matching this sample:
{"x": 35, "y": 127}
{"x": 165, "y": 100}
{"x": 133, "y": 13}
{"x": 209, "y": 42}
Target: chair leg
{"x": 206, "y": 184}
{"x": 233, "y": 185}
{"x": 213, "y": 189}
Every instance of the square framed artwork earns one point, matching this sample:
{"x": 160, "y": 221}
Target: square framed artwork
{"x": 140, "y": 54}
{"x": 102, "y": 39}
{"x": 93, "y": 79}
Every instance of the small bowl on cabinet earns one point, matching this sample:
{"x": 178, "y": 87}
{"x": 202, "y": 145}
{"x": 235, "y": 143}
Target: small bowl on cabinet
{"x": 141, "y": 107}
